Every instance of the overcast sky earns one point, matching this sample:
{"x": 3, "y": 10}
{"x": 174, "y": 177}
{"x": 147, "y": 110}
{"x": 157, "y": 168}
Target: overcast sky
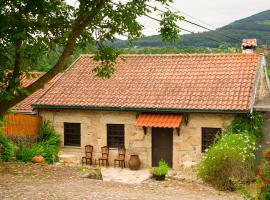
{"x": 214, "y": 12}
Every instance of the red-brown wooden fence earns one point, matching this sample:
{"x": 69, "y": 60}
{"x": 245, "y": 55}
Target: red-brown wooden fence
{"x": 21, "y": 124}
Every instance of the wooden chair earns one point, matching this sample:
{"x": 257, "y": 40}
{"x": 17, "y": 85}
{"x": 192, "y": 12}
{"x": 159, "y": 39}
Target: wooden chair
{"x": 121, "y": 157}
{"x": 87, "y": 159}
{"x": 104, "y": 156}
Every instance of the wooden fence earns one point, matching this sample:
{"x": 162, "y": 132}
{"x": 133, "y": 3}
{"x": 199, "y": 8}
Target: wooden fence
{"x": 21, "y": 124}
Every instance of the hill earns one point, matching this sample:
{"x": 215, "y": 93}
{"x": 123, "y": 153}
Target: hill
{"x": 255, "y": 26}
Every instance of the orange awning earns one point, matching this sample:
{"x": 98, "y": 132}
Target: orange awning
{"x": 159, "y": 120}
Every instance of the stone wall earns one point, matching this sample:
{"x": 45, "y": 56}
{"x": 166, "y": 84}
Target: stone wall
{"x": 186, "y": 147}
{"x": 262, "y": 91}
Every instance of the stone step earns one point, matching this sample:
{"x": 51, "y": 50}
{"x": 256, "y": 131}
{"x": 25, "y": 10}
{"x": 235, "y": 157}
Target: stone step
{"x": 70, "y": 155}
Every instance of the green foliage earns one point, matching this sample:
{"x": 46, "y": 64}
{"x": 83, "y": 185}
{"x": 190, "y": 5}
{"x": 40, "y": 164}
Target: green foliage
{"x": 8, "y": 149}
{"x": 232, "y": 156}
{"x": 43, "y": 34}
{"x": 264, "y": 178}
{"x": 46, "y": 132}
{"x": 107, "y": 55}
{"x": 47, "y": 145}
{"x": 161, "y": 170}
{"x": 252, "y": 124}
{"x": 243, "y": 189}
{"x": 169, "y": 30}
{"x": 263, "y": 182}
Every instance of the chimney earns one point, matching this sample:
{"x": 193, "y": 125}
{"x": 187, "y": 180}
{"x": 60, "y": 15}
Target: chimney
{"x": 249, "y": 45}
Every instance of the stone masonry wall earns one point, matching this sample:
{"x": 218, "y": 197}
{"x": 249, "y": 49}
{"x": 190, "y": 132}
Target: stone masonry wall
{"x": 262, "y": 89}
{"x": 186, "y": 147}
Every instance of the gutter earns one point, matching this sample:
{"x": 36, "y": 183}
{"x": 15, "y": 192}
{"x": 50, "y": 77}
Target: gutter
{"x": 39, "y": 106}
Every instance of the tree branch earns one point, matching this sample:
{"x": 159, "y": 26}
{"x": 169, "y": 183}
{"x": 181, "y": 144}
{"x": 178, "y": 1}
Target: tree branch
{"x": 77, "y": 29}
{"x": 16, "y": 69}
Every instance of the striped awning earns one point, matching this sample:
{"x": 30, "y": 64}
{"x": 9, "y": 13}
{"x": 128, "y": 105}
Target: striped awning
{"x": 159, "y": 120}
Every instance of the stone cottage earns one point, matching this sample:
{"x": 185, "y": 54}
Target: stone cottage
{"x": 158, "y": 106}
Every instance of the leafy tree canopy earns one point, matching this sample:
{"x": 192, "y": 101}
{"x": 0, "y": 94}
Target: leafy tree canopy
{"x": 30, "y": 29}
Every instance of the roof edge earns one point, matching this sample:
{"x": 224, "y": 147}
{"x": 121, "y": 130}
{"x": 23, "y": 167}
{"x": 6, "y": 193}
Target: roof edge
{"x": 39, "y": 106}
{"x": 60, "y": 76}
{"x": 261, "y": 64}
{"x": 178, "y": 54}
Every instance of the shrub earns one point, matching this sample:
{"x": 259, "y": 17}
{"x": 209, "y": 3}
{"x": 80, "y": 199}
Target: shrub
{"x": 264, "y": 178}
{"x": 232, "y": 156}
{"x": 8, "y": 149}
{"x": 47, "y": 145}
{"x": 263, "y": 182}
{"x": 161, "y": 170}
{"x": 252, "y": 124}
{"x": 46, "y": 132}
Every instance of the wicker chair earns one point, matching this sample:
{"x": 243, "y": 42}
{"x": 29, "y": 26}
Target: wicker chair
{"x": 121, "y": 157}
{"x": 87, "y": 159}
{"x": 104, "y": 156}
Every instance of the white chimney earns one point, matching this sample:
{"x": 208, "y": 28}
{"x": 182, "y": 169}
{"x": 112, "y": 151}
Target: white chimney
{"x": 249, "y": 45}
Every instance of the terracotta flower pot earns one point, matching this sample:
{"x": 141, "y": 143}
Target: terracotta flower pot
{"x": 134, "y": 162}
{"x": 38, "y": 159}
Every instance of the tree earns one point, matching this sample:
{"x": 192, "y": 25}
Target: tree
{"x": 31, "y": 28}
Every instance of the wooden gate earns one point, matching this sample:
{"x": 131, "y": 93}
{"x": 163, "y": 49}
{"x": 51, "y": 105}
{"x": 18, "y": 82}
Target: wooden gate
{"x": 21, "y": 124}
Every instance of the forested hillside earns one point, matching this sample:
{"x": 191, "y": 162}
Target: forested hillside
{"x": 256, "y": 26}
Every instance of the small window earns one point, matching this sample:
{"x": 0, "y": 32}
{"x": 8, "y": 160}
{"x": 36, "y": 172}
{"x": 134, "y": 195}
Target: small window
{"x": 208, "y": 137}
{"x": 72, "y": 134}
{"x": 115, "y": 135}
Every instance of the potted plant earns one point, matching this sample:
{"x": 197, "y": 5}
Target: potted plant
{"x": 159, "y": 173}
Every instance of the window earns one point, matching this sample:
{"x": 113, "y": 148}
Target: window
{"x": 72, "y": 134}
{"x": 115, "y": 135}
{"x": 208, "y": 137}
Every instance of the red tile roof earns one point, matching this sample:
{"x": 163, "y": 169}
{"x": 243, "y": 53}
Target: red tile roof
{"x": 159, "y": 120}
{"x": 177, "y": 82}
{"x": 249, "y": 42}
{"x": 25, "y": 105}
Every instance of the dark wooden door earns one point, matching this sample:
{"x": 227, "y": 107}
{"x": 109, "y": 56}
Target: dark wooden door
{"x": 162, "y": 145}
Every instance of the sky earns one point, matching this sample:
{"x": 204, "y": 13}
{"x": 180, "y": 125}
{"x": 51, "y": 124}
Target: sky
{"x": 215, "y": 13}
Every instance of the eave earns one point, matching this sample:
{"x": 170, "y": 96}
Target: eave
{"x": 174, "y": 110}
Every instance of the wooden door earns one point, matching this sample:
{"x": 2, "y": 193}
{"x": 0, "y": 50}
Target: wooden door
{"x": 162, "y": 145}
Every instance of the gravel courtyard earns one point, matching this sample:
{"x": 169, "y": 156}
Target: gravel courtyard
{"x": 29, "y": 181}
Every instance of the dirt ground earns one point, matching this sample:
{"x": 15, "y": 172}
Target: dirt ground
{"x": 35, "y": 181}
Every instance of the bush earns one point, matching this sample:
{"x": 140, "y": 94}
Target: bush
{"x": 46, "y": 132}
{"x": 252, "y": 124}
{"x": 8, "y": 148}
{"x": 232, "y": 156}
{"x": 47, "y": 145}
{"x": 161, "y": 170}
{"x": 264, "y": 178}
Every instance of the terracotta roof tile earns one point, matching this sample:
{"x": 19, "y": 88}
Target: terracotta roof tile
{"x": 159, "y": 120}
{"x": 203, "y": 82}
{"x": 25, "y": 105}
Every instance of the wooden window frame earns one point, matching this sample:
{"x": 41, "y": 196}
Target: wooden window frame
{"x": 72, "y": 134}
{"x": 115, "y": 135}
{"x": 209, "y": 143}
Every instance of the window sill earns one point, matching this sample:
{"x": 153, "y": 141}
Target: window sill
{"x": 72, "y": 147}
{"x": 113, "y": 148}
